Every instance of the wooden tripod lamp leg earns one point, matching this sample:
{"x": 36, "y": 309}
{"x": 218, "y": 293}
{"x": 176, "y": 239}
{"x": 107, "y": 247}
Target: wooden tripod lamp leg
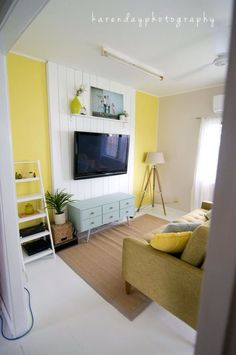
{"x": 145, "y": 190}
{"x": 160, "y": 190}
{"x": 153, "y": 186}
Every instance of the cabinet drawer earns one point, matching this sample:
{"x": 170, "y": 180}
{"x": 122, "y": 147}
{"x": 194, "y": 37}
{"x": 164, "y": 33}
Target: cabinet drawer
{"x": 127, "y": 212}
{"x": 90, "y": 223}
{"x": 90, "y": 213}
{"x": 126, "y": 203}
{"x": 110, "y": 217}
{"x": 110, "y": 207}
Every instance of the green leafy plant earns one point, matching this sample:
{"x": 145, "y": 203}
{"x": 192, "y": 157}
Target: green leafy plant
{"x": 58, "y": 201}
{"x": 124, "y": 113}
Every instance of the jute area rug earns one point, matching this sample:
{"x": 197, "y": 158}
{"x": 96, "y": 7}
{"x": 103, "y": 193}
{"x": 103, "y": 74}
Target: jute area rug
{"x": 99, "y": 263}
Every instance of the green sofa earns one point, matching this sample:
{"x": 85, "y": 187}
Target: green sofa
{"x": 174, "y": 282}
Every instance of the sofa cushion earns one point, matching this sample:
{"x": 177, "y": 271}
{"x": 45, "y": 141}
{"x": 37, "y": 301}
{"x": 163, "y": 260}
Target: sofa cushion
{"x": 195, "y": 250}
{"x": 170, "y": 242}
{"x": 180, "y": 227}
{"x": 195, "y": 216}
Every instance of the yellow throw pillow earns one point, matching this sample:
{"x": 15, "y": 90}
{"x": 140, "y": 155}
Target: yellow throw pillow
{"x": 171, "y": 242}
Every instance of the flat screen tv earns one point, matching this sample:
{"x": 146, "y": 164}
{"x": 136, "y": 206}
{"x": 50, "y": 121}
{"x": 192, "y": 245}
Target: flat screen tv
{"x": 100, "y": 154}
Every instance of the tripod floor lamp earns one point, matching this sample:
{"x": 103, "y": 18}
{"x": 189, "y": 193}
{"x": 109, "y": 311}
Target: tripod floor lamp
{"x": 153, "y": 159}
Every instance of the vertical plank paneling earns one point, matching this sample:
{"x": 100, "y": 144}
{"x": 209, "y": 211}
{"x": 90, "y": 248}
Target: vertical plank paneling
{"x": 70, "y": 76}
{"x": 132, "y": 137}
{"x": 54, "y": 129}
{"x": 96, "y": 187}
{"x": 86, "y": 94}
{"x": 64, "y": 177}
{"x": 78, "y": 82}
{"x": 62, "y": 84}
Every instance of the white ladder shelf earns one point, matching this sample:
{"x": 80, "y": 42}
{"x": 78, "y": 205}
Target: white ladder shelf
{"x": 40, "y": 214}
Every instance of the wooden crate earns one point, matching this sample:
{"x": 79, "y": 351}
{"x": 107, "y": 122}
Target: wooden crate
{"x": 62, "y": 232}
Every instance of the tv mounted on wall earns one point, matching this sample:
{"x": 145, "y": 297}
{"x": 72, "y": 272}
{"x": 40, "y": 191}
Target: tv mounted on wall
{"x": 100, "y": 154}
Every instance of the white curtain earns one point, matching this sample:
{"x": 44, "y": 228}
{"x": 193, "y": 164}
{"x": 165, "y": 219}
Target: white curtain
{"x": 207, "y": 159}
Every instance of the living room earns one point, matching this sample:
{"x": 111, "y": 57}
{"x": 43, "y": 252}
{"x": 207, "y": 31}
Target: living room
{"x": 165, "y": 111}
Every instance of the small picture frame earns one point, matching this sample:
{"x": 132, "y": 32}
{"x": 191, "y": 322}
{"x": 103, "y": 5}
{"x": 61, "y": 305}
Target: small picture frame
{"x": 105, "y": 103}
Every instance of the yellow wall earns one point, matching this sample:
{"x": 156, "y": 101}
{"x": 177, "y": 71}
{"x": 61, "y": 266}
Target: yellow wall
{"x": 29, "y": 112}
{"x": 145, "y": 139}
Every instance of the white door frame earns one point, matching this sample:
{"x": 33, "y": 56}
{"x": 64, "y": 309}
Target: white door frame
{"x": 217, "y": 320}
{"x": 14, "y": 19}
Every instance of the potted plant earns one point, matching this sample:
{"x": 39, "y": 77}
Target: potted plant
{"x": 58, "y": 202}
{"x": 123, "y": 116}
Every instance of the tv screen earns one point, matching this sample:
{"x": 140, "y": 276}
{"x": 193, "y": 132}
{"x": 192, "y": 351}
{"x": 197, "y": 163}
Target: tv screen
{"x": 100, "y": 154}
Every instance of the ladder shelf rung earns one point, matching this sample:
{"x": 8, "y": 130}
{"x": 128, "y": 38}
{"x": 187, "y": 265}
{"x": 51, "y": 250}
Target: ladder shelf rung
{"x": 17, "y": 181}
{"x": 35, "y": 236}
{"x": 31, "y": 197}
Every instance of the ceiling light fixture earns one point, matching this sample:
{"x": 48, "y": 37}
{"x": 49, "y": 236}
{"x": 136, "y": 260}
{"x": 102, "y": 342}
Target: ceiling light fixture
{"x": 131, "y": 62}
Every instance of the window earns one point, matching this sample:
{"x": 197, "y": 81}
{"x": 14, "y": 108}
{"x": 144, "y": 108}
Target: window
{"x": 207, "y": 159}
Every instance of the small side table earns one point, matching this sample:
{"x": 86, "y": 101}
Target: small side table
{"x": 63, "y": 235}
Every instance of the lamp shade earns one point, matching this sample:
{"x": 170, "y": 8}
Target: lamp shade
{"x": 155, "y": 158}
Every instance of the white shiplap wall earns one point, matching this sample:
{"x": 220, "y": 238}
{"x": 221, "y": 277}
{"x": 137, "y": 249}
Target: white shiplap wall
{"x": 62, "y": 84}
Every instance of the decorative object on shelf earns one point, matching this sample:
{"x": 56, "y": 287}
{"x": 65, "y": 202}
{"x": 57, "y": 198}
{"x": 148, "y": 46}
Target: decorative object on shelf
{"x": 18, "y": 176}
{"x": 123, "y": 116}
{"x": 62, "y": 233}
{"x": 29, "y": 209}
{"x": 83, "y": 110}
{"x": 106, "y": 103}
{"x": 153, "y": 159}
{"x": 36, "y": 246}
{"x": 75, "y": 105}
{"x": 58, "y": 202}
{"x": 31, "y": 174}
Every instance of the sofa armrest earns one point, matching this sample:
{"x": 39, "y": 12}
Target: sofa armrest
{"x": 171, "y": 282}
{"x": 207, "y": 205}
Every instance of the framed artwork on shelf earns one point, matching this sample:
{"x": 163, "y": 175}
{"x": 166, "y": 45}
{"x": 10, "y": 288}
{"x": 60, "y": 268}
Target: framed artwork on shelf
{"x": 106, "y": 103}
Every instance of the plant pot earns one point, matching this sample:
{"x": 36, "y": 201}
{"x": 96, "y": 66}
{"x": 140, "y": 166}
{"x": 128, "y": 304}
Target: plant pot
{"x": 59, "y": 218}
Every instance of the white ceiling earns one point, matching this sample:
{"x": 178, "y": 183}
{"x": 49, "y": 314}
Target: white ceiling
{"x": 64, "y": 33}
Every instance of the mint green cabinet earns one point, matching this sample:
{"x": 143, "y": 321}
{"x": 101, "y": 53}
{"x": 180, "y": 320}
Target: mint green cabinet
{"x": 91, "y": 213}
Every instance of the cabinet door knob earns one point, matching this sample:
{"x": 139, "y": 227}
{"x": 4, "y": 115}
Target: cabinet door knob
{"x": 111, "y": 217}
{"x": 91, "y": 213}
{"x": 111, "y": 208}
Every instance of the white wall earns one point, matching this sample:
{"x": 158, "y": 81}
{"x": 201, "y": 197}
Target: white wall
{"x": 178, "y": 139}
{"x": 62, "y": 84}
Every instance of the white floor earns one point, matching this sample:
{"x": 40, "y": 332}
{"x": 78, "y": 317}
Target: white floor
{"x": 71, "y": 318}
